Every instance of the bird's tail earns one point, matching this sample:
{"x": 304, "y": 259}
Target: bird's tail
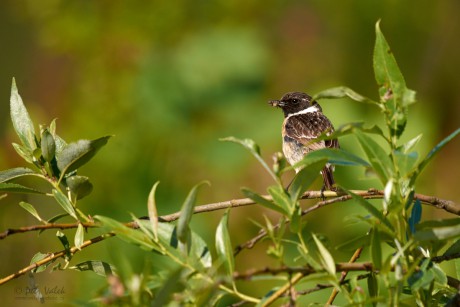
{"x": 328, "y": 178}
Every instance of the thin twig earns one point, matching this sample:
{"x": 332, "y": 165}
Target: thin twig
{"x": 446, "y": 205}
{"x": 55, "y": 256}
{"x": 334, "y": 293}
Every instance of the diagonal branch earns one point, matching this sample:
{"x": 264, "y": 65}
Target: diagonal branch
{"x": 54, "y": 256}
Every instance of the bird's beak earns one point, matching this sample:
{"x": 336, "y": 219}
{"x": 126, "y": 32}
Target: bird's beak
{"x": 276, "y": 103}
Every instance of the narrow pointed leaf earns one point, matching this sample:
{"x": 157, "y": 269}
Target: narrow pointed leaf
{"x": 377, "y": 156}
{"x": 431, "y": 154}
{"x": 14, "y": 173}
{"x": 74, "y": 155}
{"x": 152, "y": 210}
{"x": 261, "y": 200}
{"x": 48, "y": 146}
{"x": 31, "y": 210}
{"x": 79, "y": 186}
{"x": 22, "y": 123}
{"x": 17, "y": 188}
{"x": 341, "y": 92}
{"x": 24, "y": 153}
{"x": 79, "y": 236}
{"x": 326, "y": 257}
{"x": 65, "y": 203}
{"x": 415, "y": 216}
{"x": 224, "y": 245}
{"x": 370, "y": 208}
{"x": 281, "y": 199}
{"x": 412, "y": 143}
{"x": 101, "y": 268}
{"x": 438, "y": 233}
{"x": 186, "y": 213}
{"x": 304, "y": 178}
{"x": 65, "y": 242}
{"x": 376, "y": 248}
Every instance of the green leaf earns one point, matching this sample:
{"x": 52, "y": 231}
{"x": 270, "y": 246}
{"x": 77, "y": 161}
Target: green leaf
{"x": 376, "y": 248}
{"x": 65, "y": 242}
{"x": 281, "y": 199}
{"x": 373, "y": 286}
{"x": 172, "y": 285}
{"x": 186, "y": 213}
{"x": 377, "y": 156}
{"x": 17, "y": 188}
{"x": 392, "y": 87}
{"x": 99, "y": 267}
{"x": 22, "y": 123}
{"x": 14, "y": 173}
{"x": 152, "y": 210}
{"x": 262, "y": 201}
{"x": 253, "y": 149}
{"x": 79, "y": 236}
{"x": 37, "y": 257}
{"x": 24, "y": 153}
{"x": 341, "y": 92}
{"x": 31, "y": 210}
{"x": 304, "y": 178}
{"x": 224, "y": 245}
{"x": 326, "y": 258}
{"x": 453, "y": 249}
{"x": 48, "y": 146}
{"x": 128, "y": 234}
{"x": 431, "y": 154}
{"x": 74, "y": 155}
{"x": 439, "y": 233}
{"x": 65, "y": 203}
{"x": 415, "y": 216}
{"x": 407, "y": 147}
{"x": 338, "y": 157}
{"x": 79, "y": 186}
{"x": 370, "y": 208}
{"x": 406, "y": 162}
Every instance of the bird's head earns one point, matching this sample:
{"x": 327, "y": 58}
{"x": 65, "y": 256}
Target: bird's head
{"x": 294, "y": 102}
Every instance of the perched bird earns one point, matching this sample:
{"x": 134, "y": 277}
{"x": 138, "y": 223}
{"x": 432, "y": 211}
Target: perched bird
{"x": 304, "y": 121}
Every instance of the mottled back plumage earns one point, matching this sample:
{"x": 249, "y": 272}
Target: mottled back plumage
{"x": 303, "y": 123}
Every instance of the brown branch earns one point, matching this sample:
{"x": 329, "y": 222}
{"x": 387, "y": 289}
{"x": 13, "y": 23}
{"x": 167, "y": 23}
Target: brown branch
{"x": 306, "y": 270}
{"x": 55, "y": 256}
{"x": 334, "y": 293}
{"x": 447, "y": 205}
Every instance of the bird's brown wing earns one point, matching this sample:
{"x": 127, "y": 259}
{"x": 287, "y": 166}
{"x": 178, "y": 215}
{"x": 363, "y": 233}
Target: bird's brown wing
{"x": 305, "y": 128}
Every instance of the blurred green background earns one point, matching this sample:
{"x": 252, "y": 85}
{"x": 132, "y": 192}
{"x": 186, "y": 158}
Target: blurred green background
{"x": 169, "y": 78}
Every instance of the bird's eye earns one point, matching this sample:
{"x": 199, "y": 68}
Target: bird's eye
{"x": 295, "y": 100}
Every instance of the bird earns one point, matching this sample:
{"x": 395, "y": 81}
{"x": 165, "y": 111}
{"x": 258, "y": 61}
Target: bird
{"x": 304, "y": 122}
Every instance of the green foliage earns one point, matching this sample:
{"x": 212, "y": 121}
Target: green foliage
{"x": 403, "y": 251}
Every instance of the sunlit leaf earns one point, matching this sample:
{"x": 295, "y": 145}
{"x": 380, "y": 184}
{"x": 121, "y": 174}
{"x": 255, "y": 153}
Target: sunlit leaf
{"x": 48, "y": 146}
{"x": 14, "y": 173}
{"x": 223, "y": 244}
{"x": 74, "y": 155}
{"x": 38, "y": 257}
{"x": 65, "y": 203}
{"x": 31, "y": 210}
{"x": 261, "y": 200}
{"x": 24, "y": 153}
{"x": 152, "y": 210}
{"x": 341, "y": 92}
{"x": 79, "y": 236}
{"x": 17, "y": 188}
{"x": 326, "y": 257}
{"x": 99, "y": 267}
{"x": 22, "y": 123}
{"x": 408, "y": 146}
{"x": 439, "y": 233}
{"x": 186, "y": 213}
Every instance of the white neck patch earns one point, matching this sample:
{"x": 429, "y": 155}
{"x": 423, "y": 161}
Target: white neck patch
{"x": 311, "y": 109}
